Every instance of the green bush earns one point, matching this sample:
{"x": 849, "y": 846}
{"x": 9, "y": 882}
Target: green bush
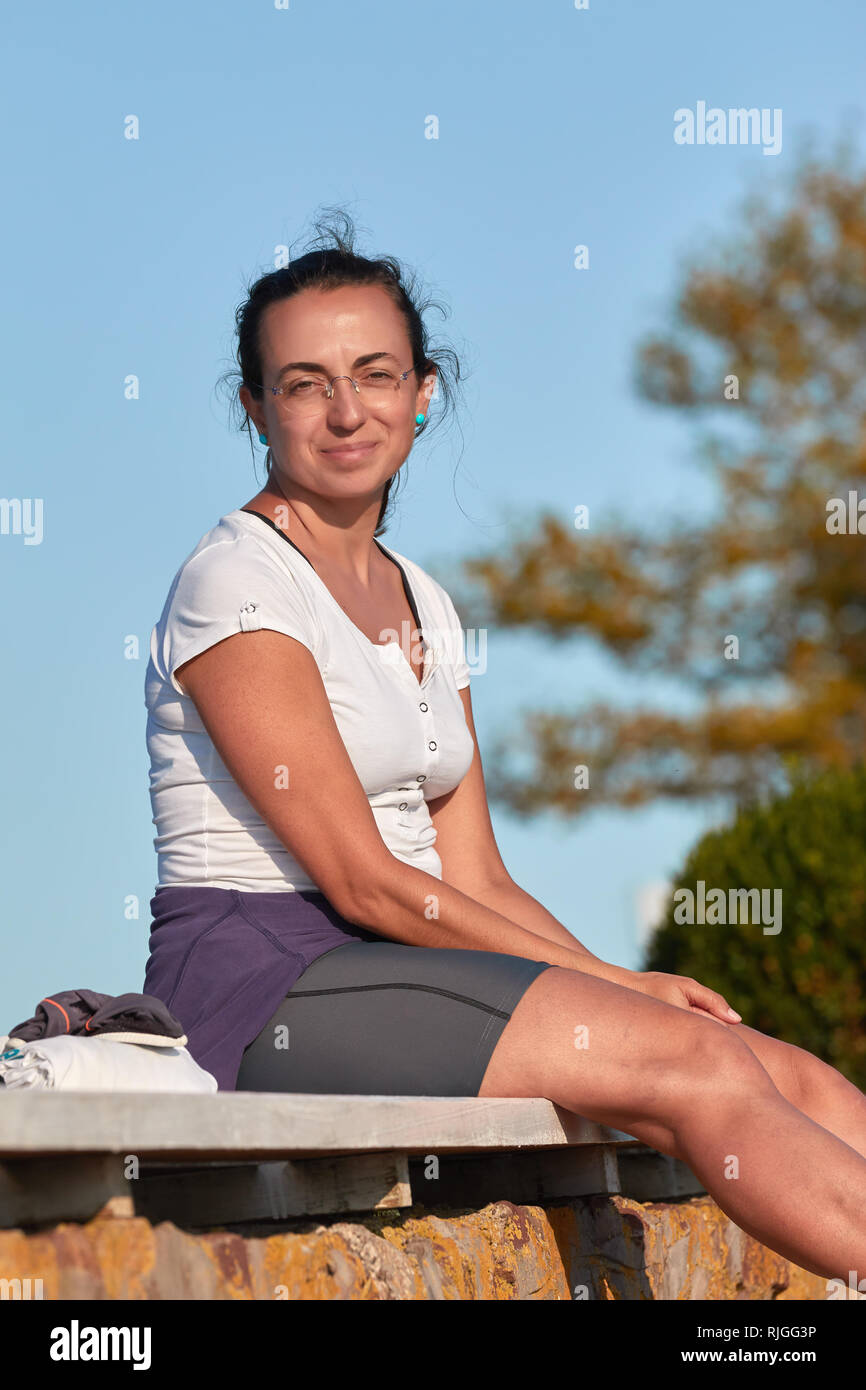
{"x": 805, "y": 984}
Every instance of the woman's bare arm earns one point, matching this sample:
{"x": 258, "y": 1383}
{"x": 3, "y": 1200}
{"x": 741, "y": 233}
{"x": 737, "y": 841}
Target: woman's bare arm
{"x": 261, "y": 698}
{"x": 470, "y": 855}
{"x": 511, "y": 901}
{"x": 471, "y": 862}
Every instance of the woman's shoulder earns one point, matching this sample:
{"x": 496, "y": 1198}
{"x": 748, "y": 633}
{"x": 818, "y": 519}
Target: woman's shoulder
{"x": 239, "y": 561}
{"x": 239, "y": 542}
{"x": 234, "y": 580}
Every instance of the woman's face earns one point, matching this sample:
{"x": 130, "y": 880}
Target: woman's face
{"x": 334, "y": 328}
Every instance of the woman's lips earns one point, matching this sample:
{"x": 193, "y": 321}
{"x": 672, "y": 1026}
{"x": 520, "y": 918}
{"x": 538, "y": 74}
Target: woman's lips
{"x": 350, "y": 451}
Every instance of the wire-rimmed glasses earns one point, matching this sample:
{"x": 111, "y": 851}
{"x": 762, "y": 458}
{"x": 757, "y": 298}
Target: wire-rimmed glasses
{"x": 305, "y": 393}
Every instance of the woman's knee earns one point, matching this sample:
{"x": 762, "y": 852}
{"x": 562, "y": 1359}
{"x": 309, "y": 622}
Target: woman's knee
{"x": 716, "y": 1065}
{"x": 815, "y": 1084}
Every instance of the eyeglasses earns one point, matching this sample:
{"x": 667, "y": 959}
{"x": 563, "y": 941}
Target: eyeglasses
{"x": 306, "y": 393}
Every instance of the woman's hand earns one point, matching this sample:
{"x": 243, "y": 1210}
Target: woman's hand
{"x": 679, "y": 990}
{"x": 683, "y": 993}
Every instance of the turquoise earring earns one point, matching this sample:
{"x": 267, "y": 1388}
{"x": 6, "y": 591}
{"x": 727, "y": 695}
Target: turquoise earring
{"x": 419, "y": 419}
{"x": 263, "y": 439}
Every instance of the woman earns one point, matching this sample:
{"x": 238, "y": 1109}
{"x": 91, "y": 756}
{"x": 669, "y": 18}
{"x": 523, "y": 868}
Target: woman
{"x": 332, "y": 913}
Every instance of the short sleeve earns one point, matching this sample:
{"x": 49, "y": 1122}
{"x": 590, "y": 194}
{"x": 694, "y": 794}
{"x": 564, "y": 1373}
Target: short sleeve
{"x": 454, "y": 640}
{"x": 233, "y": 586}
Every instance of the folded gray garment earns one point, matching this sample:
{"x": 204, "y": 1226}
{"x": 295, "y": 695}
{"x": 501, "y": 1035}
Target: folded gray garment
{"x": 139, "y": 1018}
{"x": 98, "y": 1064}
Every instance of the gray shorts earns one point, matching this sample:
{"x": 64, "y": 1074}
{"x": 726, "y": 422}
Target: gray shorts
{"x": 384, "y": 1018}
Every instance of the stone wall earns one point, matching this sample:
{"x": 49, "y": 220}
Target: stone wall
{"x": 603, "y": 1247}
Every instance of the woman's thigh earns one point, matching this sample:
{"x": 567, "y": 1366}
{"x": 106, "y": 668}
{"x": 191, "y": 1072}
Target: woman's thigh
{"x": 385, "y": 1018}
{"x": 617, "y": 1056}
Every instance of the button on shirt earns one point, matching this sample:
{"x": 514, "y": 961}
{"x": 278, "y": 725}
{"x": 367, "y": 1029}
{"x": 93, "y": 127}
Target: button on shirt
{"x": 408, "y": 741}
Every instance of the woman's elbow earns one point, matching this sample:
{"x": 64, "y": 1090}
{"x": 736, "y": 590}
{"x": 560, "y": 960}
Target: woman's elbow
{"x": 361, "y": 893}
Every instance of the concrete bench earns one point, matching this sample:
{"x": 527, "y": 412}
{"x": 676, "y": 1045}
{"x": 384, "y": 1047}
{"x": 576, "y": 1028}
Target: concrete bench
{"x": 245, "y": 1157}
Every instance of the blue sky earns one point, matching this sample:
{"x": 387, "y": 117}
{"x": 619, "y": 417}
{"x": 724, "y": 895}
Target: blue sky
{"x": 555, "y": 128}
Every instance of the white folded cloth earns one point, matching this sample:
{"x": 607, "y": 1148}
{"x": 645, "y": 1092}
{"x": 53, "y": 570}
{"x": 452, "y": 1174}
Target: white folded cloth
{"x": 73, "y": 1063}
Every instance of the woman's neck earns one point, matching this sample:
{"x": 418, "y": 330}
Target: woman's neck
{"x": 336, "y": 549}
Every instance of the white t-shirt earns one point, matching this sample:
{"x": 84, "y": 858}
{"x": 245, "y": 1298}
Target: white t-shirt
{"x": 408, "y": 741}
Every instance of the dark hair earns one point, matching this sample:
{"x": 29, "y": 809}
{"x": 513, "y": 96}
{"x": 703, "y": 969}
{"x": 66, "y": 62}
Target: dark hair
{"x": 331, "y": 263}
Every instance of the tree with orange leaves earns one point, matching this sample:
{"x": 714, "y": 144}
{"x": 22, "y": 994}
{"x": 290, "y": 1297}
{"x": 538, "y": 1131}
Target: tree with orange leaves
{"x": 761, "y": 611}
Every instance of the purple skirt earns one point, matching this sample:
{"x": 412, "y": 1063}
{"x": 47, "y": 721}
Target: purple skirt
{"x": 222, "y": 960}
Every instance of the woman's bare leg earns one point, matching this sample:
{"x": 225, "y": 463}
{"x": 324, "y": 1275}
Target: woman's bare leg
{"x": 815, "y": 1087}
{"x": 690, "y": 1087}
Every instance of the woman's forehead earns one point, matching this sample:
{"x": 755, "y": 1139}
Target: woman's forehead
{"x": 324, "y": 321}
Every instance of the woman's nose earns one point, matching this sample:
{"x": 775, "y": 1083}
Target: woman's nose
{"x": 345, "y": 406}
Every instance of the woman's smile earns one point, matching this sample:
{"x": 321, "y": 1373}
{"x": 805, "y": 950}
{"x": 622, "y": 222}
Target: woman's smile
{"x": 348, "y": 452}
